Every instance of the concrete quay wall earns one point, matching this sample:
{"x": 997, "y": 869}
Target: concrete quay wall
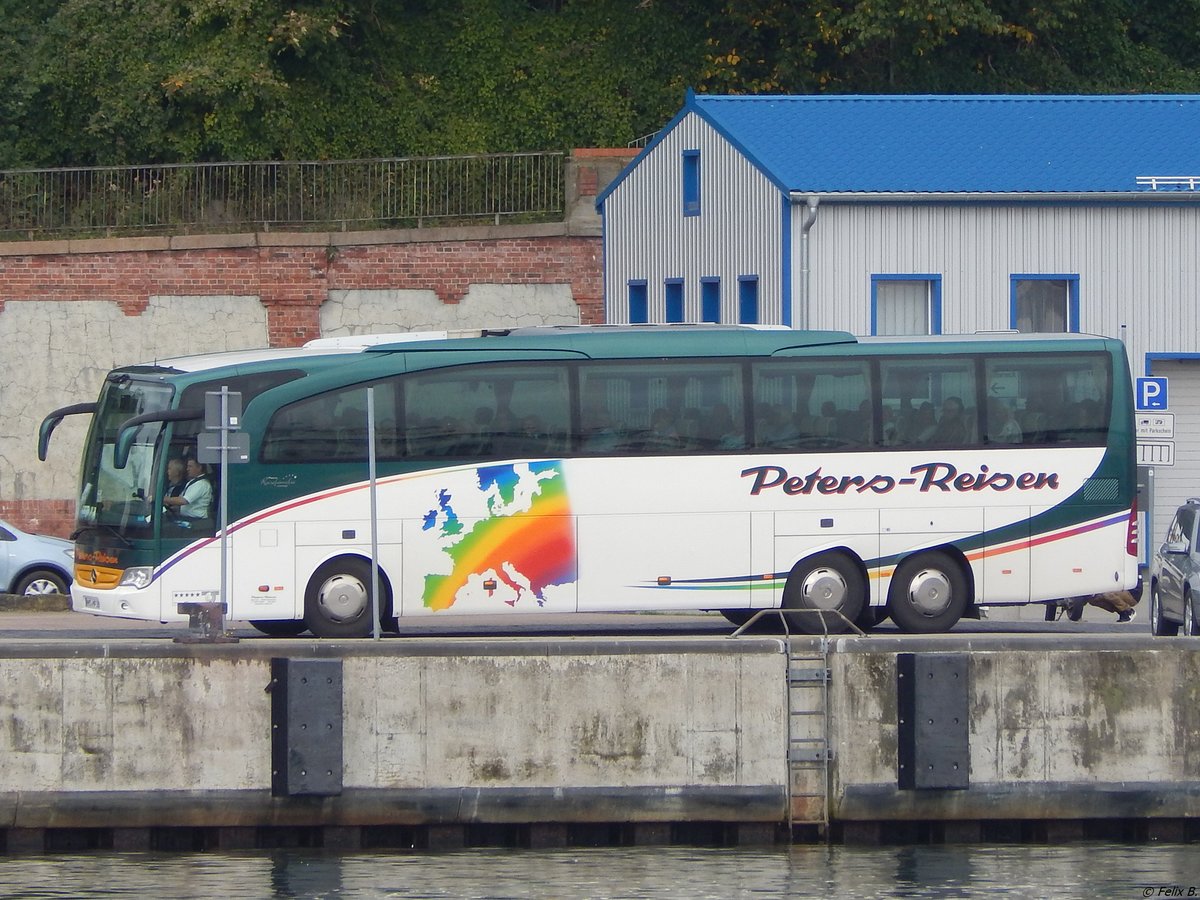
{"x": 132, "y": 734}
{"x": 134, "y": 738}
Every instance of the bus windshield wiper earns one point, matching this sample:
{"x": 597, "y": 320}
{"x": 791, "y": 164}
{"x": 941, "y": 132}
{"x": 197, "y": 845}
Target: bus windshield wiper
{"x": 97, "y": 527}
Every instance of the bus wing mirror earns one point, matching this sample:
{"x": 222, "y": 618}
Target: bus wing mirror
{"x": 130, "y": 426}
{"x": 51, "y": 422}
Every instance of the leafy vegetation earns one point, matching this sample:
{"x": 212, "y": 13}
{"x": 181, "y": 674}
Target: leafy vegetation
{"x": 96, "y": 82}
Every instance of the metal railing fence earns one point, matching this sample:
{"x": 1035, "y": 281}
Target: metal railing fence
{"x": 339, "y": 195}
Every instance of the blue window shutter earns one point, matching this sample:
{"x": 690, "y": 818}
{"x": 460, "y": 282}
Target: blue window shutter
{"x": 674, "y": 288}
{"x": 639, "y": 305}
{"x": 710, "y": 300}
{"x": 748, "y": 300}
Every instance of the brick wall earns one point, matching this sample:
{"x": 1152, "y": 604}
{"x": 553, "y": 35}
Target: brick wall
{"x": 293, "y": 281}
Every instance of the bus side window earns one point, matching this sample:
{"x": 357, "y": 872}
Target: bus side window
{"x": 661, "y": 407}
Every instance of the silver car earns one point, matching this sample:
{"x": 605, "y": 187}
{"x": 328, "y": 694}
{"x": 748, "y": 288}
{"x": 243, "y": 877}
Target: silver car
{"x": 34, "y": 563}
{"x": 1175, "y": 575}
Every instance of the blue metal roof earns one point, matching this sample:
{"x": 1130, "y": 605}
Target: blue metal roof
{"x": 960, "y": 143}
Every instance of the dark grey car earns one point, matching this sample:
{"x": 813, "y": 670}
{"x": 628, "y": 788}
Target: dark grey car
{"x": 1175, "y": 575}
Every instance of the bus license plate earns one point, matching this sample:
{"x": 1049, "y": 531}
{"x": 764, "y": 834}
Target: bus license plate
{"x": 91, "y": 602}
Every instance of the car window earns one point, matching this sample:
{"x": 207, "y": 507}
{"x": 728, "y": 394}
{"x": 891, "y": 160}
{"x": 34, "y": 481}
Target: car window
{"x": 6, "y": 535}
{"x": 1181, "y": 529}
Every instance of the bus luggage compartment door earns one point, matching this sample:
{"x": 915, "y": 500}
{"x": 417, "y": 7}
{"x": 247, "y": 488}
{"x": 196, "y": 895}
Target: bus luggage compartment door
{"x": 665, "y": 561}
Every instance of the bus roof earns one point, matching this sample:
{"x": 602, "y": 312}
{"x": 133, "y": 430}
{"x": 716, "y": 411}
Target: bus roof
{"x": 594, "y": 342}
{"x": 624, "y": 341}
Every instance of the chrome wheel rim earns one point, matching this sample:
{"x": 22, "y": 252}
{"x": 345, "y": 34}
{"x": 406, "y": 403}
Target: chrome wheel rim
{"x": 929, "y": 592}
{"x": 343, "y": 597}
{"x": 824, "y": 588}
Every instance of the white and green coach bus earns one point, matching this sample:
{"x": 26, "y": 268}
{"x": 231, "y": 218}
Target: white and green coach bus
{"x": 582, "y": 469}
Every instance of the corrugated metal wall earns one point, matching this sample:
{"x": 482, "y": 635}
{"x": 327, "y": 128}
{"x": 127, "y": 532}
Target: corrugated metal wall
{"x": 1137, "y": 266}
{"x": 739, "y": 230}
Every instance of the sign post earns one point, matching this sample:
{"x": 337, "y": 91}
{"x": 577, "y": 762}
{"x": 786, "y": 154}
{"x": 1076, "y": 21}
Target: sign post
{"x": 223, "y": 444}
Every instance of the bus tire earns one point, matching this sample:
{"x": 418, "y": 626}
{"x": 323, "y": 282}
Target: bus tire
{"x": 827, "y": 583}
{"x": 928, "y": 593}
{"x": 281, "y": 627}
{"x": 337, "y": 603}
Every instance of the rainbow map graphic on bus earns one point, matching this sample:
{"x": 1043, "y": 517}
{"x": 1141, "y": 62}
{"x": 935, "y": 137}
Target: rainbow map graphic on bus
{"x": 525, "y": 540}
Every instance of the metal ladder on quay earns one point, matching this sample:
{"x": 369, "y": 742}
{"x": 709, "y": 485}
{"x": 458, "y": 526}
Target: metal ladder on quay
{"x": 809, "y": 754}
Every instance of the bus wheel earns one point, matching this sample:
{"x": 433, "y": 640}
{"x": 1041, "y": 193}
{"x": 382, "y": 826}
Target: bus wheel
{"x": 928, "y": 593}
{"x": 281, "y": 627}
{"x": 337, "y": 603}
{"x": 829, "y": 583}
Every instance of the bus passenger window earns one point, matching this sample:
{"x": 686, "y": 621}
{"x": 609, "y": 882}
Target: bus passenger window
{"x": 665, "y": 407}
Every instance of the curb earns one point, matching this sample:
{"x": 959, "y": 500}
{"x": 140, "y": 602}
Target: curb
{"x": 34, "y": 603}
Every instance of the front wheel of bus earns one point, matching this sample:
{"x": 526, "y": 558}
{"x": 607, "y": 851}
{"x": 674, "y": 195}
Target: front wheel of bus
{"x": 337, "y": 603}
{"x": 829, "y": 583}
{"x": 928, "y": 593}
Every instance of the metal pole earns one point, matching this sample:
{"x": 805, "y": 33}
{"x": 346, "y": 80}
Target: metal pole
{"x": 374, "y": 513}
{"x": 226, "y": 594}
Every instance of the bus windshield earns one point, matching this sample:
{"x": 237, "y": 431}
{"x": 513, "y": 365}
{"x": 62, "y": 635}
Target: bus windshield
{"x": 122, "y": 499}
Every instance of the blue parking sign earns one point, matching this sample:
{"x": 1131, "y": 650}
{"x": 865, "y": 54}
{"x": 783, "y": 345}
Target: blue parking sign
{"x": 1151, "y": 393}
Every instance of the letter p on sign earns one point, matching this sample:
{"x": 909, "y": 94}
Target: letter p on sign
{"x": 1151, "y": 393}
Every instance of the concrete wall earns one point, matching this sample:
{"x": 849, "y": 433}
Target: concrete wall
{"x": 538, "y": 725}
{"x": 1059, "y": 729}
{"x": 130, "y": 734}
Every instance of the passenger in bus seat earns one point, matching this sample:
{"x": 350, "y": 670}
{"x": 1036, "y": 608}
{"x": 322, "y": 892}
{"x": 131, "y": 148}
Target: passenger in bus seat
{"x": 663, "y": 433}
{"x": 690, "y": 428}
{"x": 825, "y": 425}
{"x": 919, "y": 425}
{"x": 1003, "y": 427}
{"x": 721, "y": 431}
{"x": 599, "y": 435}
{"x": 952, "y": 424}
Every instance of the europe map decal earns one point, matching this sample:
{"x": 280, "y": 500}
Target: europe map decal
{"x": 521, "y": 542}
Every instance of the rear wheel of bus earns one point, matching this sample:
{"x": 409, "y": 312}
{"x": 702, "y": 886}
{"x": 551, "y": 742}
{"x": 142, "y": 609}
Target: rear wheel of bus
{"x": 337, "y": 603}
{"x": 828, "y": 591}
{"x": 928, "y": 593}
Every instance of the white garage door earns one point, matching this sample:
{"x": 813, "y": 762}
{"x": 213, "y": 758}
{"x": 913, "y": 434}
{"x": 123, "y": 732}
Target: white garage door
{"x": 1174, "y": 484}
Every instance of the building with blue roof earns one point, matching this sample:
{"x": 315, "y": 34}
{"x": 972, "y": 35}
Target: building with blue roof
{"x": 925, "y": 215}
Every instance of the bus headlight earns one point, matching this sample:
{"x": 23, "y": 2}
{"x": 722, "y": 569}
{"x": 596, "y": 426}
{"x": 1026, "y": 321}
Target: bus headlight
{"x": 137, "y": 577}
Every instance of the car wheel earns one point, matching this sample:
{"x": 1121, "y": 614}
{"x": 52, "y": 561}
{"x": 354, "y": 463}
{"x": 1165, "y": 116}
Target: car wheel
{"x": 1191, "y": 627}
{"x": 928, "y": 593}
{"x": 41, "y": 581}
{"x": 1159, "y": 626}
{"x": 830, "y": 588}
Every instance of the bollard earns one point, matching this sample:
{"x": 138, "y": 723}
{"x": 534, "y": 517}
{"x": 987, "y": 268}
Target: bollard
{"x": 206, "y": 624}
